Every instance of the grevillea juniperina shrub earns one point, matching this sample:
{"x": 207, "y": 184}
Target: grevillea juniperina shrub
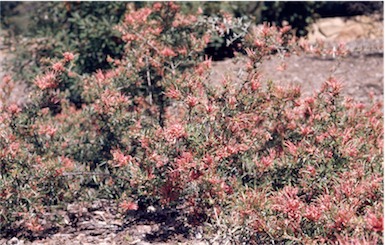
{"x": 253, "y": 161}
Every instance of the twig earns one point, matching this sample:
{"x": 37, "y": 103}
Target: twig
{"x": 145, "y": 40}
{"x": 92, "y": 173}
{"x": 152, "y": 46}
{"x": 149, "y": 80}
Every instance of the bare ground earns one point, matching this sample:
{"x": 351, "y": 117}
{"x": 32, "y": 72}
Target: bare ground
{"x": 361, "y": 71}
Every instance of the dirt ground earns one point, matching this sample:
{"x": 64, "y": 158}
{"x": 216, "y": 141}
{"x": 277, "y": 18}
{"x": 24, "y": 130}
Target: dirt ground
{"x": 99, "y": 222}
{"x": 362, "y": 73}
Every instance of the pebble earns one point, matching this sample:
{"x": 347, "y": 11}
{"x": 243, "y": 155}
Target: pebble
{"x": 15, "y": 241}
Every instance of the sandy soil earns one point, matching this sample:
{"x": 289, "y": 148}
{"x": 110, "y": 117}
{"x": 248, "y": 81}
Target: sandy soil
{"x": 361, "y": 72}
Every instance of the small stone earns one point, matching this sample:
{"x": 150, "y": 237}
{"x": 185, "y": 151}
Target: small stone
{"x": 142, "y": 243}
{"x": 151, "y": 209}
{"x": 15, "y": 241}
{"x": 199, "y": 243}
{"x": 199, "y": 233}
{"x": 143, "y": 229}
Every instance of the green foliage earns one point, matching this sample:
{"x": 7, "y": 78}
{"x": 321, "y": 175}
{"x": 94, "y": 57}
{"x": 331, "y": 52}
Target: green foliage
{"x": 298, "y": 14}
{"x": 85, "y": 28}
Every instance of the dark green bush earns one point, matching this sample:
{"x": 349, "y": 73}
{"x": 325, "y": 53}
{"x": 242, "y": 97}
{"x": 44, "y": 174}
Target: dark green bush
{"x": 85, "y": 28}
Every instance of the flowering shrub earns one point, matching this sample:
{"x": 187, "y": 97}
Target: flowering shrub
{"x": 255, "y": 161}
{"x": 289, "y": 167}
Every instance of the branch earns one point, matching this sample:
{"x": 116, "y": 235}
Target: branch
{"x": 149, "y": 80}
{"x": 66, "y": 174}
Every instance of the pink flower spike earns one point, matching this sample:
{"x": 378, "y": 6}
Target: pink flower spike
{"x": 58, "y": 67}
{"x": 47, "y": 81}
{"x": 128, "y": 206}
{"x": 14, "y": 109}
{"x": 167, "y": 52}
{"x": 374, "y": 222}
{"x": 192, "y": 101}
{"x": 68, "y": 56}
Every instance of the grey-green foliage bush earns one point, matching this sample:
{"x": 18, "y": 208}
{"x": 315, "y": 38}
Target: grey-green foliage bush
{"x": 298, "y": 14}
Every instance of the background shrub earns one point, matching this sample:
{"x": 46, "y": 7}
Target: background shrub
{"x": 55, "y": 27}
{"x": 86, "y": 27}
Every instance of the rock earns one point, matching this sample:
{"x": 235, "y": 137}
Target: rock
{"x": 151, "y": 209}
{"x": 142, "y": 243}
{"x": 200, "y": 243}
{"x": 199, "y": 233}
{"x": 15, "y": 241}
{"x": 143, "y": 229}
{"x": 330, "y": 26}
{"x": 76, "y": 209}
{"x": 346, "y": 29}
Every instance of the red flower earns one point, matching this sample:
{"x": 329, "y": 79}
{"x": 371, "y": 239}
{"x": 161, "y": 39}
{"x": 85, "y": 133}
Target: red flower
{"x": 182, "y": 51}
{"x": 311, "y": 170}
{"x": 255, "y": 84}
{"x": 67, "y": 163}
{"x": 226, "y": 188}
{"x": 173, "y": 6}
{"x": 14, "y": 148}
{"x": 306, "y": 131}
{"x": 157, "y": 6}
{"x": 47, "y": 130}
{"x": 58, "y": 67}
{"x": 47, "y": 81}
{"x": 192, "y": 101}
{"x": 7, "y": 79}
{"x": 110, "y": 101}
{"x": 127, "y": 206}
{"x": 137, "y": 17}
{"x": 313, "y": 213}
{"x": 14, "y": 109}
{"x": 208, "y": 160}
{"x": 173, "y": 94}
{"x": 332, "y": 85}
{"x": 167, "y": 52}
{"x": 120, "y": 159}
{"x": 374, "y": 222}
{"x": 343, "y": 217}
{"x": 259, "y": 43}
{"x": 68, "y": 56}
{"x": 33, "y": 225}
{"x": 232, "y": 102}
{"x": 174, "y": 132}
{"x": 292, "y": 148}
{"x": 184, "y": 160}
{"x": 267, "y": 161}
